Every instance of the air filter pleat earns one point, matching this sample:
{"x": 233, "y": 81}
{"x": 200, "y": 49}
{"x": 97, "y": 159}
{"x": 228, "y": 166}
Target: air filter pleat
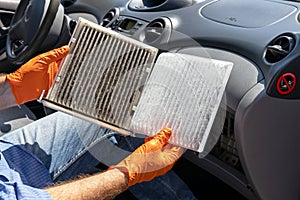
{"x": 73, "y": 79}
{"x": 106, "y": 86}
{"x": 119, "y": 70}
{"x": 109, "y": 85}
{"x": 81, "y": 85}
{"x": 88, "y": 86}
{"x": 128, "y": 83}
{"x": 94, "y": 93}
{"x": 124, "y": 65}
{"x": 137, "y": 77}
{"x": 64, "y": 95}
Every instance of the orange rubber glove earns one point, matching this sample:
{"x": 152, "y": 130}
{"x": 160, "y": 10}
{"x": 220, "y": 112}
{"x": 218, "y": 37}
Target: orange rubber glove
{"x": 28, "y": 82}
{"x": 154, "y": 158}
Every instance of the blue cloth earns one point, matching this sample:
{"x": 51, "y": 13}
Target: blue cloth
{"x": 60, "y": 147}
{"x": 17, "y": 179}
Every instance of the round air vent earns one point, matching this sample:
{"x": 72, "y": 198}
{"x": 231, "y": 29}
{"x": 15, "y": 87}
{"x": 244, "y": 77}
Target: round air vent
{"x": 157, "y": 31}
{"x": 158, "y": 5}
{"x": 279, "y": 48}
{"x": 110, "y": 17}
{"x": 150, "y": 3}
{"x": 67, "y": 3}
{"x": 154, "y": 30}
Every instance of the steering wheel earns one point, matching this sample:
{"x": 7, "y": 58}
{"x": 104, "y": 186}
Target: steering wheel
{"x": 29, "y": 28}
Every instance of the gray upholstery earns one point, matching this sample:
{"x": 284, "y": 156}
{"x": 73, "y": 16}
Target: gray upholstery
{"x": 14, "y": 118}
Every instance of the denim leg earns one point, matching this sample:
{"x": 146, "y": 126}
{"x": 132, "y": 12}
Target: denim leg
{"x": 59, "y": 140}
{"x": 69, "y": 146}
{"x": 168, "y": 186}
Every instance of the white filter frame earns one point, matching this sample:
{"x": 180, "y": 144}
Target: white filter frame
{"x": 183, "y": 93}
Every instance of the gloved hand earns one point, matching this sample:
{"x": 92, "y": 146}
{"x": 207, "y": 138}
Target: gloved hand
{"x": 154, "y": 158}
{"x": 28, "y": 82}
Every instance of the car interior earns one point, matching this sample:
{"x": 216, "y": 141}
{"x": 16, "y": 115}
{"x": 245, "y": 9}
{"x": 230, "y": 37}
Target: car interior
{"x": 256, "y": 155}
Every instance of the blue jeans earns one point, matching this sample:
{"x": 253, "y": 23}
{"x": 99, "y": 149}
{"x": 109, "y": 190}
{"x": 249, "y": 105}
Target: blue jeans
{"x": 69, "y": 146}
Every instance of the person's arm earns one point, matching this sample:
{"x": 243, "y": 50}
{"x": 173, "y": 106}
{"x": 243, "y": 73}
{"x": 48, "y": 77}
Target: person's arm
{"x": 7, "y": 98}
{"x": 154, "y": 158}
{"x": 28, "y": 82}
{"x": 106, "y": 185}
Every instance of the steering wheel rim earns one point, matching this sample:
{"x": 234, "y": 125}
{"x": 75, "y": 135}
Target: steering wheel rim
{"x": 29, "y": 28}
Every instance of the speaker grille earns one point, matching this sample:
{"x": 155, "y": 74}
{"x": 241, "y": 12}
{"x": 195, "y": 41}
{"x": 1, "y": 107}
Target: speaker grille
{"x": 102, "y": 75}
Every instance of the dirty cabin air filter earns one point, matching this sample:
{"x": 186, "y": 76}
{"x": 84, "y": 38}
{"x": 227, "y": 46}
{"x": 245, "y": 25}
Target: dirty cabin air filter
{"x": 122, "y": 84}
{"x": 102, "y": 75}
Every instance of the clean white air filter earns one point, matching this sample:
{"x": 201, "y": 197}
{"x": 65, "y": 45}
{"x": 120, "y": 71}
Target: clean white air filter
{"x": 184, "y": 93}
{"x": 125, "y": 85}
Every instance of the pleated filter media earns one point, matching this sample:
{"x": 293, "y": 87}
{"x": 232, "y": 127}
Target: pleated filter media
{"x": 127, "y": 86}
{"x": 100, "y": 79}
{"x": 184, "y": 93}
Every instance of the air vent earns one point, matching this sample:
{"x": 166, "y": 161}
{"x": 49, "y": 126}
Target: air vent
{"x": 110, "y": 17}
{"x": 67, "y": 3}
{"x": 158, "y": 5}
{"x": 146, "y": 4}
{"x": 279, "y": 48}
{"x": 157, "y": 31}
{"x": 154, "y": 30}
